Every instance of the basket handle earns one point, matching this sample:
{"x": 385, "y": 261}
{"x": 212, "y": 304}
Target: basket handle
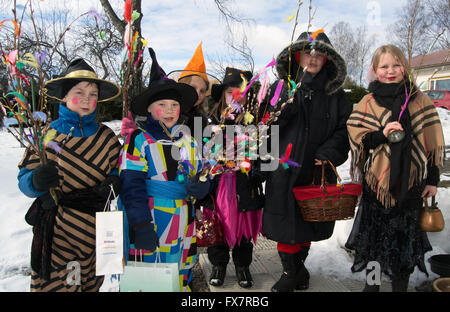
{"x": 335, "y": 171}
{"x": 322, "y": 181}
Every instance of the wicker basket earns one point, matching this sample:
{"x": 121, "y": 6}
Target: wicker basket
{"x": 328, "y": 209}
{"x": 323, "y": 203}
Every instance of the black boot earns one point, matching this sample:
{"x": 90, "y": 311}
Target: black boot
{"x": 302, "y": 272}
{"x": 400, "y": 284}
{"x": 288, "y": 279}
{"x": 244, "y": 277}
{"x": 217, "y": 275}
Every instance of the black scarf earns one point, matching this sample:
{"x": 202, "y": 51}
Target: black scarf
{"x": 392, "y": 96}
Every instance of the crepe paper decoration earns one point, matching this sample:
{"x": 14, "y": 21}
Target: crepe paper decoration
{"x": 236, "y": 107}
{"x": 263, "y": 89}
{"x": 126, "y": 36}
{"x": 128, "y": 10}
{"x": 404, "y": 105}
{"x": 293, "y": 88}
{"x": 11, "y": 121}
{"x": 236, "y": 94}
{"x": 133, "y": 42}
{"x": 2, "y": 23}
{"x": 54, "y": 146}
{"x": 3, "y": 109}
{"x": 243, "y": 84}
{"x": 41, "y": 116}
{"x": 22, "y": 103}
{"x": 96, "y": 15}
{"x": 290, "y": 18}
{"x": 49, "y": 136}
{"x": 40, "y": 57}
{"x": 285, "y": 161}
{"x": 30, "y": 60}
{"x": 17, "y": 95}
{"x": 139, "y": 58}
{"x": 261, "y": 73}
{"x": 101, "y": 35}
{"x": 266, "y": 116}
{"x": 314, "y": 35}
{"x": 135, "y": 15}
{"x": 19, "y": 117}
{"x": 16, "y": 28}
{"x": 230, "y": 116}
{"x": 11, "y": 58}
{"x": 20, "y": 65}
{"x": 277, "y": 93}
{"x": 248, "y": 118}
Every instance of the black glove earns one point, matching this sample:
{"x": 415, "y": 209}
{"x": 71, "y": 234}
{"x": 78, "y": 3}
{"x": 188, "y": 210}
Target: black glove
{"x": 146, "y": 238}
{"x": 47, "y": 200}
{"x": 198, "y": 189}
{"x": 45, "y": 177}
{"x": 104, "y": 188}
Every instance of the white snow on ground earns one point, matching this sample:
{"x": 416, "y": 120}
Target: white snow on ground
{"x": 326, "y": 257}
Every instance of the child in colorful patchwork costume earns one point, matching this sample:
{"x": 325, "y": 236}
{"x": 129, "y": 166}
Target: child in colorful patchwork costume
{"x": 157, "y": 189}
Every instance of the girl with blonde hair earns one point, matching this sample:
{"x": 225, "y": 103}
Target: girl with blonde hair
{"x": 397, "y": 172}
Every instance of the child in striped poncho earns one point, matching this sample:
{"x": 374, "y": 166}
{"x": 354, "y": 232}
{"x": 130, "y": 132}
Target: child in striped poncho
{"x": 80, "y": 173}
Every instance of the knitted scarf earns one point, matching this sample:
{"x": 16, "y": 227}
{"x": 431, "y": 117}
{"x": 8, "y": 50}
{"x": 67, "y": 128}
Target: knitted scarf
{"x": 425, "y": 143}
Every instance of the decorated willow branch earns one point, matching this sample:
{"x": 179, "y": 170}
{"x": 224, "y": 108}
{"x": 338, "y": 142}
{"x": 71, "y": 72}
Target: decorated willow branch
{"x": 255, "y": 106}
{"x": 27, "y": 120}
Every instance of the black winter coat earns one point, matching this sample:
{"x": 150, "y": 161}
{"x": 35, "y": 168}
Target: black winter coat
{"x": 315, "y": 124}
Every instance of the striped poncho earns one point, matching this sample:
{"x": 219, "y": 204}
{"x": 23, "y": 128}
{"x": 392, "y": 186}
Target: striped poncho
{"x": 84, "y": 162}
{"x": 427, "y": 144}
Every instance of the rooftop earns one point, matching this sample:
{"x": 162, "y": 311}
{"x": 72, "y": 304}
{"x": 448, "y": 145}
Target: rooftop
{"x": 432, "y": 59}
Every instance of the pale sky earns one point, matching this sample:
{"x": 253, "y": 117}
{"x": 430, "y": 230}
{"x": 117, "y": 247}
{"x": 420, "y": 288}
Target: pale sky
{"x": 174, "y": 28}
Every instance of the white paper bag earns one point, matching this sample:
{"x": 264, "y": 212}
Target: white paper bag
{"x": 109, "y": 239}
{"x": 150, "y": 277}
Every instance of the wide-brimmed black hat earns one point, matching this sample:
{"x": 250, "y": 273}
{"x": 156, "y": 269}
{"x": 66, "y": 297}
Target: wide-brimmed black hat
{"x": 78, "y": 71}
{"x": 161, "y": 87}
{"x": 232, "y": 78}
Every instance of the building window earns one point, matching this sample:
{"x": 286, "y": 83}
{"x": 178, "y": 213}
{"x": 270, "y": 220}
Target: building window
{"x": 440, "y": 84}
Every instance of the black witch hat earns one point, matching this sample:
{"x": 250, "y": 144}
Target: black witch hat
{"x": 161, "y": 87}
{"x": 78, "y": 71}
{"x": 232, "y": 78}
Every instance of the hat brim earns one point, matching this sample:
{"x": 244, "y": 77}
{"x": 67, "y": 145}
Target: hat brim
{"x": 107, "y": 90}
{"x": 212, "y": 80}
{"x": 188, "y": 96}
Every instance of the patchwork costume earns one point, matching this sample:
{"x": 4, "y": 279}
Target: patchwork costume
{"x": 158, "y": 170}
{"x": 146, "y": 169}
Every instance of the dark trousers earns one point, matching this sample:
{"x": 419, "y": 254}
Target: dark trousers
{"x": 241, "y": 253}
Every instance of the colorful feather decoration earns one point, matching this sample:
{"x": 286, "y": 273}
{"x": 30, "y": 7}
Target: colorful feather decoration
{"x": 236, "y": 94}
{"x": 29, "y": 59}
{"x": 285, "y": 161}
{"x": 243, "y": 84}
{"x": 248, "y": 118}
{"x": 276, "y": 96}
{"x": 314, "y": 35}
{"x": 128, "y": 11}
